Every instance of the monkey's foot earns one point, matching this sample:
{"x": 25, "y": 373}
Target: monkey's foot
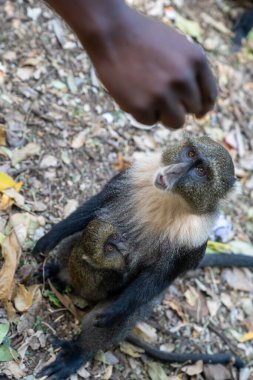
{"x": 67, "y": 362}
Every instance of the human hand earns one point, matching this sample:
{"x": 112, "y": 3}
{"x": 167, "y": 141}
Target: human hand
{"x": 152, "y": 71}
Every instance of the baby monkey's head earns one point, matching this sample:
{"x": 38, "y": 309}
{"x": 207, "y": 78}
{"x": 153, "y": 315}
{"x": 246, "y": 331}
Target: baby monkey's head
{"x": 197, "y": 169}
{"x": 105, "y": 245}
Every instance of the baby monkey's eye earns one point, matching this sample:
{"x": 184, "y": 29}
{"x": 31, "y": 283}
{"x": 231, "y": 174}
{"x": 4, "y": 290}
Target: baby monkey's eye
{"x": 192, "y": 153}
{"x": 201, "y": 170}
{"x": 109, "y": 248}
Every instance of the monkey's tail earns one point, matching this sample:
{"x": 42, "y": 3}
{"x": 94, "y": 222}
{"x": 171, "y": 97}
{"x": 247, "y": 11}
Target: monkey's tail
{"x": 173, "y": 357}
{"x": 223, "y": 260}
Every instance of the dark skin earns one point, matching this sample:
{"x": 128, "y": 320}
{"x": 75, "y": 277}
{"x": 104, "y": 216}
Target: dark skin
{"x": 152, "y": 71}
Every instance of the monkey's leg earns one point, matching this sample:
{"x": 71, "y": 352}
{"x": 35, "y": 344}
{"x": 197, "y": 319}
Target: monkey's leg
{"x": 168, "y": 357}
{"x": 223, "y": 260}
{"x": 75, "y": 353}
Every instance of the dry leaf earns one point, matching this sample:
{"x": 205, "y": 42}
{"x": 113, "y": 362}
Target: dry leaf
{"x": 193, "y": 369}
{"x": 29, "y": 150}
{"x": 156, "y": 371}
{"x": 6, "y": 182}
{"x": 48, "y": 161}
{"x": 2, "y": 135}
{"x": 146, "y": 332}
{"x": 66, "y": 301}
{"x": 25, "y": 73}
{"x": 11, "y": 253}
{"x": 131, "y": 350}
{"x": 216, "y": 372}
{"x": 191, "y": 296}
{"x": 108, "y": 373}
{"x": 14, "y": 197}
{"x": 246, "y": 337}
{"x": 239, "y": 279}
{"x": 79, "y": 139}
{"x": 70, "y": 207}
{"x": 175, "y": 307}
{"x": 24, "y": 298}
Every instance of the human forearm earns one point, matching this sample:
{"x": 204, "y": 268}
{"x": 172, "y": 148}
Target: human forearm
{"x": 90, "y": 19}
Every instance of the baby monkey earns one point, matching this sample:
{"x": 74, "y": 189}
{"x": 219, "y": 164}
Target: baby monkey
{"x": 93, "y": 262}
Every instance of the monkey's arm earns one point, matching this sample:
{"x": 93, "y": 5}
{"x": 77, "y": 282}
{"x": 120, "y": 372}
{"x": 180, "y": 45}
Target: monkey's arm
{"x": 79, "y": 219}
{"x": 149, "y": 284}
{"x": 223, "y": 260}
{"x": 242, "y": 28}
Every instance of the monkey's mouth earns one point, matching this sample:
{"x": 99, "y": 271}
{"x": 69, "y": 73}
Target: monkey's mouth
{"x": 167, "y": 177}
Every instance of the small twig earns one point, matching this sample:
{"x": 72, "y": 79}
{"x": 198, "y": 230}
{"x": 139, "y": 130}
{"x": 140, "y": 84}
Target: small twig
{"x": 217, "y": 331}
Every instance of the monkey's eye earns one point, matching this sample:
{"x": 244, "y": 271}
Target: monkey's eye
{"x": 114, "y": 237}
{"x": 109, "y": 248}
{"x": 201, "y": 170}
{"x": 192, "y": 153}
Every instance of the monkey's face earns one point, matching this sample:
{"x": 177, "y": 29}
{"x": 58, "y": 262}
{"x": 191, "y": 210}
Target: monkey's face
{"x": 199, "y": 170}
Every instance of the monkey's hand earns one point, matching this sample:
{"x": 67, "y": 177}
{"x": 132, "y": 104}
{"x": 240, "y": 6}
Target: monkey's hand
{"x": 67, "y": 362}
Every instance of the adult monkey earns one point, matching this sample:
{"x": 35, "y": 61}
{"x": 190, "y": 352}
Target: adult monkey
{"x": 152, "y": 71}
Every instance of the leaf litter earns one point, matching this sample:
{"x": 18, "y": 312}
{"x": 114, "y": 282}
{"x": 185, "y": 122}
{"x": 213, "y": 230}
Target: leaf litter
{"x": 52, "y": 157}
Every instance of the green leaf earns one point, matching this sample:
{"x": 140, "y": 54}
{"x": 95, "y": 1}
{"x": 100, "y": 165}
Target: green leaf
{"x": 4, "y": 328}
{"x": 216, "y": 247}
{"x": 156, "y": 371}
{"x": 100, "y": 356}
{"x": 7, "y": 353}
{"x": 189, "y": 27}
{"x": 52, "y": 298}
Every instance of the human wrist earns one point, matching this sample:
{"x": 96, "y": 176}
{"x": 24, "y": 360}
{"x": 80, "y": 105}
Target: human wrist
{"x": 92, "y": 20}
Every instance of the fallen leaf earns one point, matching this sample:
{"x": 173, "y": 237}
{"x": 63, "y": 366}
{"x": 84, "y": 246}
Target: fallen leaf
{"x": 238, "y": 279}
{"x": 79, "y": 140}
{"x": 246, "y": 337}
{"x": 238, "y": 246}
{"x": 70, "y": 207}
{"x": 193, "y": 369}
{"x": 146, "y": 332}
{"x": 7, "y": 353}
{"x": 131, "y": 350}
{"x": 12, "y": 370}
{"x": 15, "y": 197}
{"x": 24, "y": 298}
{"x": 66, "y": 301}
{"x": 2, "y": 136}
{"x": 29, "y": 150}
{"x": 216, "y": 372}
{"x": 189, "y": 27}
{"x": 156, "y": 371}
{"x": 48, "y": 161}
{"x": 4, "y": 328}
{"x": 25, "y": 73}
{"x": 11, "y": 253}
{"x": 191, "y": 296}
{"x": 108, "y": 373}
{"x": 213, "y": 306}
{"x": 174, "y": 305}
{"x": 7, "y": 182}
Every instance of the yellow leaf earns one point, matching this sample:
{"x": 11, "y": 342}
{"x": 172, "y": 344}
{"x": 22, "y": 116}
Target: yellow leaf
{"x": 5, "y": 202}
{"x": 7, "y": 182}
{"x": 11, "y": 253}
{"x": 24, "y": 298}
{"x": 2, "y": 136}
{"x": 247, "y": 336}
